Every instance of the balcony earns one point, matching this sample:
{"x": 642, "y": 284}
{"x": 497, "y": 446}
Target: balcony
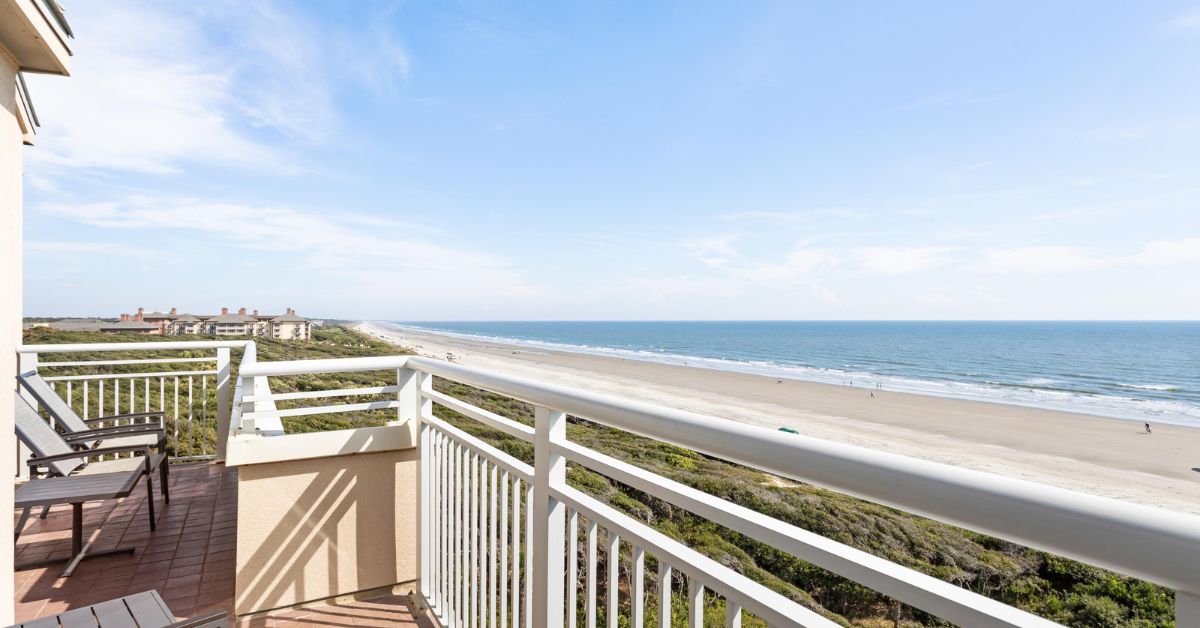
{"x": 340, "y": 526}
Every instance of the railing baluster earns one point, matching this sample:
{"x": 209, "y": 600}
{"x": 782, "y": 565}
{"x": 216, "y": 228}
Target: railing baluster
{"x": 637, "y": 578}
{"x": 516, "y": 552}
{"x": 146, "y": 396}
{"x": 590, "y": 596}
{"x": 191, "y": 419}
{"x": 178, "y": 449}
{"x": 733, "y": 615}
{"x": 572, "y": 567}
{"x": 1187, "y": 609}
{"x": 503, "y": 582}
{"x": 442, "y": 509}
{"x": 204, "y": 416}
{"x": 493, "y": 530}
{"x": 86, "y": 411}
{"x": 425, "y": 485}
{"x": 530, "y": 611}
{"x": 472, "y": 545}
{"x": 54, "y": 388}
{"x": 614, "y": 565}
{"x": 458, "y": 535}
{"x": 481, "y": 558}
{"x": 132, "y": 397}
{"x": 452, "y": 532}
{"x": 695, "y": 603}
{"x": 664, "y": 593}
{"x": 441, "y": 527}
{"x": 70, "y": 396}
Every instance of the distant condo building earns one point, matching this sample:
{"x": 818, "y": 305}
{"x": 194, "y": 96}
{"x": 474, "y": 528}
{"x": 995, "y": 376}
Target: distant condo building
{"x": 286, "y": 326}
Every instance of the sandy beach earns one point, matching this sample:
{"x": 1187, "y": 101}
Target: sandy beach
{"x": 1103, "y": 456}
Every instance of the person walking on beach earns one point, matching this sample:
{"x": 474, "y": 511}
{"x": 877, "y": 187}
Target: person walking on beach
{"x": 1147, "y": 428}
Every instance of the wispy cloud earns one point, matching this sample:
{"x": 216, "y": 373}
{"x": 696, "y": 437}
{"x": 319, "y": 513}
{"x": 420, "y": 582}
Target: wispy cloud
{"x": 712, "y": 251}
{"x": 350, "y": 255}
{"x": 59, "y": 250}
{"x": 791, "y": 216}
{"x": 895, "y": 260}
{"x": 1185, "y": 21}
{"x": 219, "y": 83}
{"x": 1051, "y": 259}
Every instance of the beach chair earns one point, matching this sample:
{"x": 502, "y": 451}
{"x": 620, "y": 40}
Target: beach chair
{"x": 68, "y": 421}
{"x": 55, "y": 455}
{"x": 81, "y": 434}
{"x": 140, "y": 610}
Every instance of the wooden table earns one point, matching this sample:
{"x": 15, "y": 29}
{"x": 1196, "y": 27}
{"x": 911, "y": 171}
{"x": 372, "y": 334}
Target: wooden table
{"x": 75, "y": 490}
{"x": 140, "y": 610}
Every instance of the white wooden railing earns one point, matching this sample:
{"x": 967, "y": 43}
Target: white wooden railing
{"x": 156, "y": 384}
{"x": 499, "y": 538}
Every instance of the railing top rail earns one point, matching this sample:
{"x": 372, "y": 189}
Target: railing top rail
{"x": 134, "y": 346}
{"x": 1149, "y": 543}
{"x": 334, "y": 365}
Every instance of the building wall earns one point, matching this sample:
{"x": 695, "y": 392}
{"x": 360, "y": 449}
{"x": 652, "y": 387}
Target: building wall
{"x": 289, "y": 331}
{"x": 10, "y": 306}
{"x": 323, "y": 527}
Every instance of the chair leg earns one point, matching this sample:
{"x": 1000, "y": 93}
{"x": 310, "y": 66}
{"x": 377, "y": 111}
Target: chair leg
{"x": 163, "y": 475}
{"x": 21, "y": 523}
{"x": 45, "y": 512}
{"x": 150, "y": 499}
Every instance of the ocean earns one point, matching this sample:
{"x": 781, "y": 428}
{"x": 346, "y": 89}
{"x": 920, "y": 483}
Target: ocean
{"x": 1144, "y": 371}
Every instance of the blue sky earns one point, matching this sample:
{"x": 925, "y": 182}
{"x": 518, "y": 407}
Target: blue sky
{"x": 732, "y": 160}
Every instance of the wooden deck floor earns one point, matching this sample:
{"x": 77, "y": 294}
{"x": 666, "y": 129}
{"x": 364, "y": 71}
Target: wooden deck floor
{"x": 189, "y": 559}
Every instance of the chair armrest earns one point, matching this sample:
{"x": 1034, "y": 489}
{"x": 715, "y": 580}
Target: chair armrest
{"x": 121, "y": 417}
{"x": 116, "y": 430}
{"x": 88, "y": 453}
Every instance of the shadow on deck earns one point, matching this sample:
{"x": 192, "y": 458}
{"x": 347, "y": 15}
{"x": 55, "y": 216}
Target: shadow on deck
{"x": 189, "y": 559}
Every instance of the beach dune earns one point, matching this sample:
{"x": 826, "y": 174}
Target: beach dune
{"x": 1103, "y": 456}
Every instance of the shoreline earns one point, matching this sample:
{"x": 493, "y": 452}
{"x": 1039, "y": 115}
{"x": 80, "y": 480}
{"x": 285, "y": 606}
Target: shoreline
{"x": 1004, "y": 393}
{"x": 1089, "y": 453}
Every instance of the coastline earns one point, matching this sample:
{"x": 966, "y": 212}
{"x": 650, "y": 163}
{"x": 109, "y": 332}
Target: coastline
{"x": 1083, "y": 452}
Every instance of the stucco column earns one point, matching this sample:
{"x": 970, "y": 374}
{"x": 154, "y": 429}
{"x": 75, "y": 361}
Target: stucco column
{"x": 10, "y": 310}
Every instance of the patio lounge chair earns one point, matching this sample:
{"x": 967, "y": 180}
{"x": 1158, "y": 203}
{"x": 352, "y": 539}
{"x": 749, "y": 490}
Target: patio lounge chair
{"x": 54, "y": 454}
{"x": 140, "y": 610}
{"x": 70, "y": 422}
{"x": 80, "y": 434}
{"x": 75, "y": 481}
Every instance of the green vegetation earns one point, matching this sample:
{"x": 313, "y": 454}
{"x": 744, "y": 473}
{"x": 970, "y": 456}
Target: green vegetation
{"x": 1053, "y": 587}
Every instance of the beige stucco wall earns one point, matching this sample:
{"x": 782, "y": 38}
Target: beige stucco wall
{"x": 317, "y": 528}
{"x": 10, "y": 308}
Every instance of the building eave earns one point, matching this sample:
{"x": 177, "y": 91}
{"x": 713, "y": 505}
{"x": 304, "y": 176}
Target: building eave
{"x": 35, "y": 36}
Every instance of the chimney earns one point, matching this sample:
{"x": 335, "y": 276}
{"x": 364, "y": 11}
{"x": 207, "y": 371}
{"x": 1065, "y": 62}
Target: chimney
{"x": 242, "y": 311}
{"x": 174, "y": 312}
{"x": 256, "y": 312}
{"x": 291, "y": 311}
{"x": 124, "y": 317}
{"x": 141, "y": 310}
{"x": 224, "y": 311}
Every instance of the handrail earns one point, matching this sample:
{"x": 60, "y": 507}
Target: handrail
{"x": 29, "y": 356}
{"x": 1158, "y": 545}
{"x": 1153, "y": 544}
{"x": 332, "y": 365}
{"x": 135, "y": 346}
